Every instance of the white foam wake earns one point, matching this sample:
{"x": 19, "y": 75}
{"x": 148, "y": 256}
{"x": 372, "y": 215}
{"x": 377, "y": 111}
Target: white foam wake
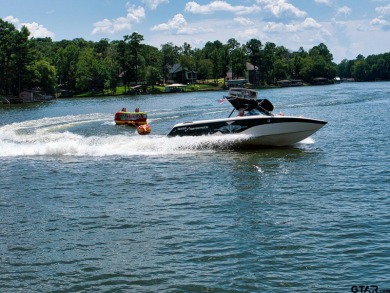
{"x": 54, "y": 137}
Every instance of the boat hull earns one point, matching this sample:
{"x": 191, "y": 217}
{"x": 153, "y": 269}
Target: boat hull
{"x": 259, "y": 130}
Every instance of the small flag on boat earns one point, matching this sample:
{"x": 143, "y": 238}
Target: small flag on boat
{"x": 221, "y": 101}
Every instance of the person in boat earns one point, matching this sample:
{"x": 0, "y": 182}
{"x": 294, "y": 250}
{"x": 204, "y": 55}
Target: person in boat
{"x": 123, "y": 109}
{"x": 136, "y": 110}
{"x": 241, "y": 112}
{"x": 253, "y": 112}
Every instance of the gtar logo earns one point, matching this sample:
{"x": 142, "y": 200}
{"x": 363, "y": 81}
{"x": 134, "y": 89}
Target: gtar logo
{"x": 365, "y": 289}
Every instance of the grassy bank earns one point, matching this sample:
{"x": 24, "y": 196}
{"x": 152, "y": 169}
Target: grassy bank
{"x": 155, "y": 90}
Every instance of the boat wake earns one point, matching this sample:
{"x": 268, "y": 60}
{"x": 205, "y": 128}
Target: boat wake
{"x": 96, "y": 135}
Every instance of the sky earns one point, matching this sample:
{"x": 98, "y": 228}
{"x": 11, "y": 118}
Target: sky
{"x": 347, "y": 27}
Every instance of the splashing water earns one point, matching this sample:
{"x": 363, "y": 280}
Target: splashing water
{"x": 56, "y": 136}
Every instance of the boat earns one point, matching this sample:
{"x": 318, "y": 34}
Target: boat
{"x": 135, "y": 118}
{"x": 255, "y": 121}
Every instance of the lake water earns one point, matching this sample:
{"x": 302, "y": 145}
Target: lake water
{"x": 88, "y": 206}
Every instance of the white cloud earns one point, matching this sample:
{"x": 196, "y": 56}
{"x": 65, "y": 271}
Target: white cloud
{"x": 307, "y": 24}
{"x": 326, "y": 2}
{"x": 36, "y": 30}
{"x": 310, "y": 23}
{"x": 339, "y": 25}
{"x": 215, "y": 6}
{"x": 179, "y": 25}
{"x": 11, "y": 19}
{"x": 193, "y": 31}
{"x": 243, "y": 21}
{"x": 345, "y": 10}
{"x": 177, "y": 22}
{"x": 135, "y": 14}
{"x": 379, "y": 21}
{"x": 250, "y": 33}
{"x": 383, "y": 9}
{"x": 153, "y": 4}
{"x": 281, "y": 8}
{"x": 361, "y": 28}
{"x": 120, "y": 24}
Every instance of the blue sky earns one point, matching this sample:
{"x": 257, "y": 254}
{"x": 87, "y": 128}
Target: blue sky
{"x": 346, "y": 27}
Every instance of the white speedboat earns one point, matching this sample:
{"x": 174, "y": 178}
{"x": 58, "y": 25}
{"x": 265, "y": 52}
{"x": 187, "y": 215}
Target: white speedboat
{"x": 255, "y": 120}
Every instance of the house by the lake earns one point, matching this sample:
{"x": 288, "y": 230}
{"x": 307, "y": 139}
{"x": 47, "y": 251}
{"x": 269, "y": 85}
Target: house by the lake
{"x": 179, "y": 74}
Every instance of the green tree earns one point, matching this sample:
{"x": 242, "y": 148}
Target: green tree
{"x": 186, "y": 50}
{"x": 43, "y": 49}
{"x": 23, "y": 57}
{"x": 318, "y": 63}
{"x": 15, "y": 57}
{"x": 234, "y": 53}
{"x": 134, "y": 44}
{"x": 253, "y": 47}
{"x": 360, "y": 70}
{"x": 281, "y": 69}
{"x": 269, "y": 55}
{"x": 152, "y": 60}
{"x": 66, "y": 64}
{"x": 170, "y": 56}
{"x": 122, "y": 61}
{"x": 102, "y": 48}
{"x": 153, "y": 75}
{"x": 152, "y": 56}
{"x": 92, "y": 73}
{"x": 307, "y": 69}
{"x": 282, "y": 63}
{"x": 240, "y": 58}
{"x": 219, "y": 56}
{"x": 321, "y": 50}
{"x": 6, "y": 49}
{"x": 187, "y": 62}
{"x": 296, "y": 61}
{"x": 344, "y": 69}
{"x": 43, "y": 76}
{"x": 204, "y": 70}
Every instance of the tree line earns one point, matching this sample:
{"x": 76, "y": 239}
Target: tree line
{"x": 80, "y": 66}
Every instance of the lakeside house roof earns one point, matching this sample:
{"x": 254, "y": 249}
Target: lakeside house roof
{"x": 175, "y": 68}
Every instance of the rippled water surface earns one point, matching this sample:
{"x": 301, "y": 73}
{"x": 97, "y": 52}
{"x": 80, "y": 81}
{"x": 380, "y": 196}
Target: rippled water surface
{"x": 87, "y": 206}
